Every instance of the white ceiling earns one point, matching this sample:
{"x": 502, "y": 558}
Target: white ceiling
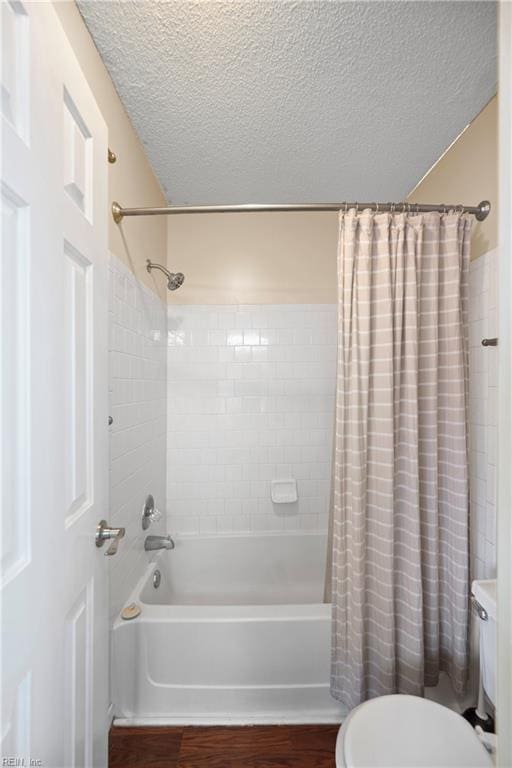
{"x": 295, "y": 101}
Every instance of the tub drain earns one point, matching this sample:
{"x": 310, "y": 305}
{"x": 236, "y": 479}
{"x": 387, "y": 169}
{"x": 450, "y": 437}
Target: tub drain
{"x": 157, "y": 578}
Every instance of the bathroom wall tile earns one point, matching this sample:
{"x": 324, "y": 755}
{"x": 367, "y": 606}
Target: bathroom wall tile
{"x": 138, "y": 404}
{"x": 483, "y": 414}
{"x": 250, "y": 396}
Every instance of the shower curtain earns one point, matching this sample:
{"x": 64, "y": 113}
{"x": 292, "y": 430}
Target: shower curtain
{"x": 400, "y": 528}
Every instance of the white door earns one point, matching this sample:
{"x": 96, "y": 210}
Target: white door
{"x": 54, "y": 391}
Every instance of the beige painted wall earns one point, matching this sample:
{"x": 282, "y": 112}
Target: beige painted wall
{"x": 468, "y": 173}
{"x": 131, "y": 179}
{"x": 254, "y": 258}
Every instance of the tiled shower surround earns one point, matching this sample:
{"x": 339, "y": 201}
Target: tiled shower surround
{"x": 137, "y": 375}
{"x": 483, "y": 382}
{"x": 250, "y": 400}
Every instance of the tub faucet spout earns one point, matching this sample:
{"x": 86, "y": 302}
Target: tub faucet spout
{"x": 158, "y": 542}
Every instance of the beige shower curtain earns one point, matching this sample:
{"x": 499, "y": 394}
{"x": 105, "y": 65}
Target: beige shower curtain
{"x": 400, "y": 479}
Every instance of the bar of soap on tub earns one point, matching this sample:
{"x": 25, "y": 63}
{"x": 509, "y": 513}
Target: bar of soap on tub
{"x": 130, "y": 612}
{"x": 284, "y": 491}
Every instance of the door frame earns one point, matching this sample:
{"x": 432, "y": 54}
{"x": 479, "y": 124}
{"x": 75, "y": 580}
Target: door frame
{"x": 504, "y": 490}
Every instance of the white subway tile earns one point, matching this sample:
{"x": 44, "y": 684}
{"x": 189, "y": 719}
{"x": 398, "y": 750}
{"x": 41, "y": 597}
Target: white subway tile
{"x": 137, "y": 338}
{"x": 482, "y": 414}
{"x": 269, "y": 395}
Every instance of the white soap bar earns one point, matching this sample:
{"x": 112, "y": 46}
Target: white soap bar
{"x": 284, "y": 491}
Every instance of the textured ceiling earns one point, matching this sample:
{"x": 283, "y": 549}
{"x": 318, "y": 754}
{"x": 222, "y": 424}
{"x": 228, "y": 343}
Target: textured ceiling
{"x": 280, "y": 101}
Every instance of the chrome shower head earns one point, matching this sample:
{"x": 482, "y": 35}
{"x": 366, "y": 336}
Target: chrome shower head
{"x": 176, "y": 279}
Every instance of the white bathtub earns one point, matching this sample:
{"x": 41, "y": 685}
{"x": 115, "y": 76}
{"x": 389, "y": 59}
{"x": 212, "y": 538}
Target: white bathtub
{"x": 236, "y": 632}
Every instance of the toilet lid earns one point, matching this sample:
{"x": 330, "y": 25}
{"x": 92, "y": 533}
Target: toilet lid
{"x": 402, "y": 731}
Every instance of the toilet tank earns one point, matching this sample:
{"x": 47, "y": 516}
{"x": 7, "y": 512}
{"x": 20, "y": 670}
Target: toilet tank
{"x": 484, "y": 594}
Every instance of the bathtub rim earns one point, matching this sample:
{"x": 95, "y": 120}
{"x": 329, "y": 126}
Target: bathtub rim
{"x": 209, "y": 611}
{"x": 155, "y": 612}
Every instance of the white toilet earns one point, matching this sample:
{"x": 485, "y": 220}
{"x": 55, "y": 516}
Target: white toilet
{"x": 400, "y": 731}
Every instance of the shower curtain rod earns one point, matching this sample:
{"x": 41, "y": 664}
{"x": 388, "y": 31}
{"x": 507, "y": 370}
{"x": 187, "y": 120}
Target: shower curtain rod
{"x": 480, "y": 211}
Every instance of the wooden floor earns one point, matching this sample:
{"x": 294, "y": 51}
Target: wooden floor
{"x": 274, "y": 746}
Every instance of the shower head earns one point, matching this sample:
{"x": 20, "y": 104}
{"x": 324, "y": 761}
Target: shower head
{"x": 174, "y": 279}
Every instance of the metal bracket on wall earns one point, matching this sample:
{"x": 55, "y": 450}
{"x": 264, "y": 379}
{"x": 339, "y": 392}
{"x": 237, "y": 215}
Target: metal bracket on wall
{"x": 489, "y": 342}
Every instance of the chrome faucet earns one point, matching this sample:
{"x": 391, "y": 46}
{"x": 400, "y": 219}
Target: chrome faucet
{"x": 158, "y": 542}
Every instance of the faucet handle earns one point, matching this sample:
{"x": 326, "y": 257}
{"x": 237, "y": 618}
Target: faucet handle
{"x": 150, "y": 513}
{"x": 105, "y": 533}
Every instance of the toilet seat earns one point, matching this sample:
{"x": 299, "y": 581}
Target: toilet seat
{"x": 401, "y": 731}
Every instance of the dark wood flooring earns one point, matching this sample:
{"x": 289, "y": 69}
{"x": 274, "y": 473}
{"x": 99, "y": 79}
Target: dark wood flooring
{"x": 273, "y": 746}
